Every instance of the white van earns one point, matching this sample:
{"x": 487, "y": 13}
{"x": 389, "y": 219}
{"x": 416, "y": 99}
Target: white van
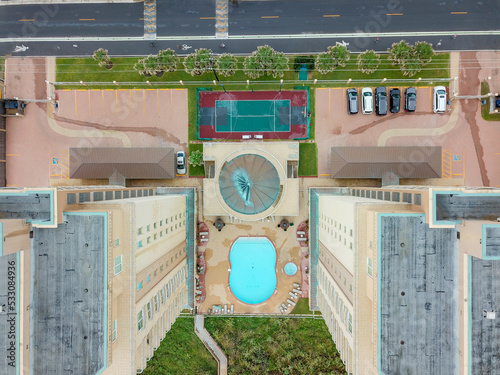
{"x": 439, "y": 99}
{"x": 366, "y": 100}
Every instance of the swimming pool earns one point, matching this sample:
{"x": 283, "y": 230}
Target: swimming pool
{"x": 253, "y": 269}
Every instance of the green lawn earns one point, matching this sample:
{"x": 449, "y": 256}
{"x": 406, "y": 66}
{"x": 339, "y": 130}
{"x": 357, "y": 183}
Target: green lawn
{"x": 181, "y": 353}
{"x": 276, "y": 345}
{"x": 2, "y": 67}
{"x": 308, "y": 159}
{"x": 302, "y": 307}
{"x": 485, "y": 109}
{"x": 437, "y": 68}
{"x": 200, "y": 170}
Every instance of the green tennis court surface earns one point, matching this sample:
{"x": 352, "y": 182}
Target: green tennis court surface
{"x": 252, "y": 115}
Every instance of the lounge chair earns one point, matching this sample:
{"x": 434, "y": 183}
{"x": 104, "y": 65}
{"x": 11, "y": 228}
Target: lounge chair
{"x": 232, "y": 309}
{"x": 290, "y": 301}
{"x": 292, "y": 295}
{"x": 296, "y": 285}
{"x": 296, "y": 291}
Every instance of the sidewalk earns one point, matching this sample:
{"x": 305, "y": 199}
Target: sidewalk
{"x": 208, "y": 341}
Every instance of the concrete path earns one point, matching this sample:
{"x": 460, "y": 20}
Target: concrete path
{"x": 208, "y": 341}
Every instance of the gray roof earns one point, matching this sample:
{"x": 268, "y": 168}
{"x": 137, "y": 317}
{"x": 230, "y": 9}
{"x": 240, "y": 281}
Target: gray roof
{"x": 68, "y": 309}
{"x": 375, "y": 162}
{"x": 3, "y": 164}
{"x": 33, "y": 206}
{"x": 6, "y": 321}
{"x": 418, "y": 300}
{"x": 485, "y": 333}
{"x": 467, "y": 206}
{"x": 131, "y": 163}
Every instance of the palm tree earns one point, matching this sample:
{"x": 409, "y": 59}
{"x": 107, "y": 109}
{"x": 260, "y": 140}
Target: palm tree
{"x": 226, "y": 64}
{"x": 265, "y": 60}
{"x": 147, "y": 66}
{"x": 424, "y": 52}
{"x": 368, "y": 61}
{"x": 167, "y": 60}
{"x": 334, "y": 57}
{"x": 101, "y": 55}
{"x": 198, "y": 62}
{"x": 399, "y": 52}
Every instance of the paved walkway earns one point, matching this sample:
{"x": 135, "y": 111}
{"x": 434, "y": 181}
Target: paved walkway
{"x": 208, "y": 341}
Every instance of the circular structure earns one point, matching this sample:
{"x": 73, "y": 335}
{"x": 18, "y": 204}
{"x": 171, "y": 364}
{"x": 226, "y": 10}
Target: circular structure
{"x": 290, "y": 269}
{"x": 253, "y": 269}
{"x": 249, "y": 184}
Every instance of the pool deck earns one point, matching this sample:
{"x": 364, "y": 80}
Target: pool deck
{"x": 216, "y": 255}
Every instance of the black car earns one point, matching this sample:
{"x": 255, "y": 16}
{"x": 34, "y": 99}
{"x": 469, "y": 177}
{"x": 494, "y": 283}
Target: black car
{"x": 395, "y": 100}
{"x": 410, "y": 99}
{"x": 381, "y": 101}
{"x": 352, "y": 101}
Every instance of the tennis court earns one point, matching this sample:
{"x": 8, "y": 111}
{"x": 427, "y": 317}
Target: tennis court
{"x": 247, "y": 115}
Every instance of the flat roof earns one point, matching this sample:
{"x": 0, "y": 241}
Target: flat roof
{"x": 455, "y": 206}
{"x": 417, "y": 296}
{"x": 484, "y": 334}
{"x": 30, "y": 206}
{"x": 68, "y": 302}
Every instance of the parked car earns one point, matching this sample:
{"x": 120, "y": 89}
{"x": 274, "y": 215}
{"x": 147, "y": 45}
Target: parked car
{"x": 181, "y": 162}
{"x": 352, "y": 101}
{"x": 395, "y": 100}
{"x": 381, "y": 101}
{"x": 439, "y": 99}
{"x": 410, "y": 99}
{"x": 366, "y": 100}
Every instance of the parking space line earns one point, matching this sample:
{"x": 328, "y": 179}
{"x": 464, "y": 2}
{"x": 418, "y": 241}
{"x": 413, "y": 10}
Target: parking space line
{"x": 102, "y": 101}
{"x": 157, "y": 101}
{"x": 116, "y": 100}
{"x": 430, "y": 101}
{"x": 325, "y": 174}
{"x": 11, "y": 154}
{"x": 76, "y": 105}
{"x": 344, "y": 97}
{"x": 144, "y": 101}
{"x": 171, "y": 101}
{"x": 89, "y": 101}
{"x": 329, "y": 100}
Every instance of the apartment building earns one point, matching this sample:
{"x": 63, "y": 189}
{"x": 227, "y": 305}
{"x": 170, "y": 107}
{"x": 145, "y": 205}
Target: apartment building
{"x": 98, "y": 276}
{"x": 406, "y": 277}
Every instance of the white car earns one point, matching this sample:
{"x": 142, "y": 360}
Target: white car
{"x": 181, "y": 162}
{"x": 366, "y": 100}
{"x": 439, "y": 99}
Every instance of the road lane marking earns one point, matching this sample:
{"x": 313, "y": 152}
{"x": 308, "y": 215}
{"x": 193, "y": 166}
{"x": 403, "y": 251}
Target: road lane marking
{"x": 270, "y": 17}
{"x": 26, "y": 20}
{"x": 458, "y": 12}
{"x": 86, "y": 19}
{"x": 207, "y": 18}
{"x": 394, "y": 14}
{"x": 331, "y": 15}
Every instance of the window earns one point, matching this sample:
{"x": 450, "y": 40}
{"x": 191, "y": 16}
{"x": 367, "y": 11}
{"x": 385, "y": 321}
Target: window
{"x": 113, "y": 331}
{"x": 117, "y": 242}
{"x": 350, "y": 232}
{"x": 168, "y": 290}
{"x": 161, "y": 223}
{"x": 149, "y": 310}
{"x": 369, "y": 266}
{"x": 139, "y": 231}
{"x": 175, "y": 217}
{"x": 350, "y": 245}
{"x": 148, "y": 240}
{"x": 156, "y": 302}
{"x": 139, "y": 244}
{"x": 371, "y": 244}
{"x": 166, "y": 231}
{"x": 139, "y": 286}
{"x": 349, "y": 322}
{"x": 161, "y": 233}
{"x": 350, "y": 288}
{"x": 148, "y": 228}
{"x": 166, "y": 221}
{"x": 154, "y": 274}
{"x": 140, "y": 320}
{"x": 154, "y": 237}
{"x": 154, "y": 225}
{"x": 161, "y": 268}
{"x": 147, "y": 278}
{"x": 118, "y": 264}
{"x": 162, "y": 296}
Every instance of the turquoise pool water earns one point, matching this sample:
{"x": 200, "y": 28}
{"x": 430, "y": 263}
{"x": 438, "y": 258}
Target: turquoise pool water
{"x": 290, "y": 269}
{"x": 253, "y": 269}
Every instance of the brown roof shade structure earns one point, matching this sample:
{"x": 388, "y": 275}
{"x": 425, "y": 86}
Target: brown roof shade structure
{"x": 375, "y": 162}
{"x": 131, "y": 163}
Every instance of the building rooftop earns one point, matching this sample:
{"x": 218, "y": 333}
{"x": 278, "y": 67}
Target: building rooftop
{"x": 492, "y": 242}
{"x": 9, "y": 318}
{"x": 450, "y": 206}
{"x": 375, "y": 162}
{"x": 484, "y": 289}
{"x": 131, "y": 163}
{"x": 68, "y": 307}
{"x": 32, "y": 206}
{"x": 418, "y": 297}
